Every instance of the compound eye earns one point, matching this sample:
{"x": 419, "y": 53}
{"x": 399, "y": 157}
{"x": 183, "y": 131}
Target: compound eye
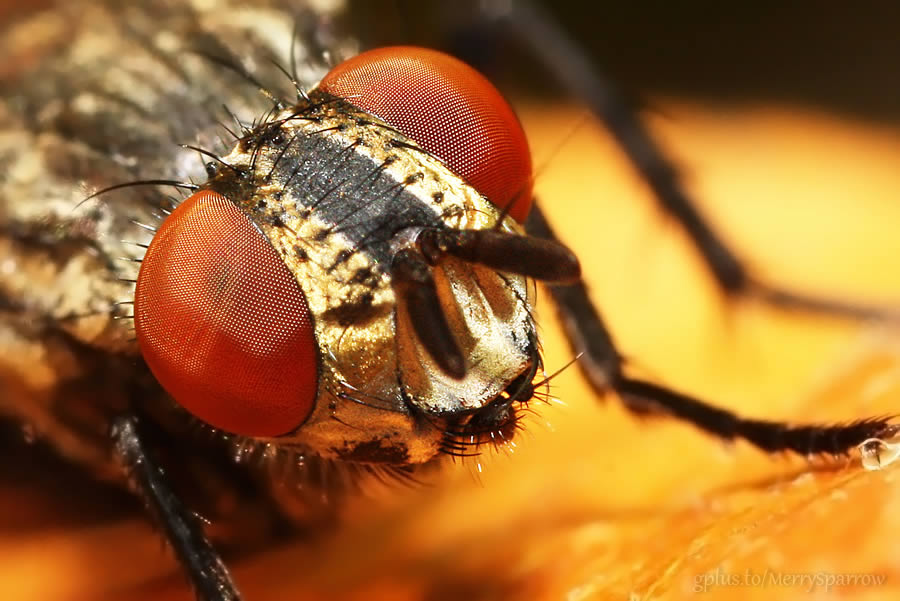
{"x": 450, "y": 109}
{"x": 223, "y": 323}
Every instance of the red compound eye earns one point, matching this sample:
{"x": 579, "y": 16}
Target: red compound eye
{"x": 222, "y": 322}
{"x": 450, "y": 109}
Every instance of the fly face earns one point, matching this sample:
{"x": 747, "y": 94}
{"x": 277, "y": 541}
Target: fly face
{"x": 338, "y": 290}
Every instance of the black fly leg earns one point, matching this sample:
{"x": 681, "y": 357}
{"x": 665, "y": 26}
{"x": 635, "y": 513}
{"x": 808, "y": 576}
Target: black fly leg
{"x": 584, "y": 325}
{"x": 604, "y": 367}
{"x": 182, "y": 529}
{"x": 565, "y": 60}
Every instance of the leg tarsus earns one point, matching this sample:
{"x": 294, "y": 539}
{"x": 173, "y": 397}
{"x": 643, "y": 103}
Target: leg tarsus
{"x": 182, "y": 529}
{"x": 793, "y": 301}
{"x": 769, "y": 436}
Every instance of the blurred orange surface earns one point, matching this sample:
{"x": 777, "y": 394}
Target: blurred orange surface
{"x": 594, "y": 504}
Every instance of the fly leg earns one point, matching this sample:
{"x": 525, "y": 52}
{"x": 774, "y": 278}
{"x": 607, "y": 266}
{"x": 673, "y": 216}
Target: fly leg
{"x": 604, "y": 367}
{"x": 569, "y": 63}
{"x": 181, "y": 528}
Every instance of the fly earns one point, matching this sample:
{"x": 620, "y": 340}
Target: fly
{"x": 348, "y": 290}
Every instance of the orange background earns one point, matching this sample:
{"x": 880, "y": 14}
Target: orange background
{"x": 594, "y": 504}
